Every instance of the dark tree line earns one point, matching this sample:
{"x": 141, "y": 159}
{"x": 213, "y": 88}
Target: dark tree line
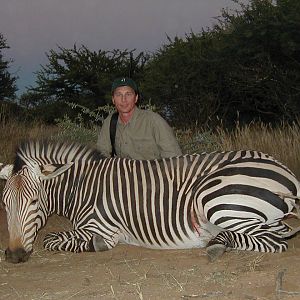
{"x": 8, "y": 86}
{"x": 7, "y": 81}
{"x": 79, "y": 76}
{"x": 246, "y": 67}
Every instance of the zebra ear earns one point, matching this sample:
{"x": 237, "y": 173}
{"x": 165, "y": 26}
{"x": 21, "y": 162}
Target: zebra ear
{"x": 50, "y": 171}
{"x": 5, "y": 171}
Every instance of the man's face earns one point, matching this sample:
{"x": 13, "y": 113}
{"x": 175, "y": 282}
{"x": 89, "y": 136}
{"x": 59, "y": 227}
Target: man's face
{"x": 124, "y": 98}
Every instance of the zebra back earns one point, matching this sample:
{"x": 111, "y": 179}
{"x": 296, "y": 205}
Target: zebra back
{"x": 45, "y": 152}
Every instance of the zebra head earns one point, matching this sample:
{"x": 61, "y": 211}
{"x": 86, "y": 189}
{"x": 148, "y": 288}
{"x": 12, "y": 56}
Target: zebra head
{"x": 25, "y": 202}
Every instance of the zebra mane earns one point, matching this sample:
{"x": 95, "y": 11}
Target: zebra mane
{"x": 46, "y": 152}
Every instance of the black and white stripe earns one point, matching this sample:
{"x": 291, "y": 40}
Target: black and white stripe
{"x": 231, "y": 198}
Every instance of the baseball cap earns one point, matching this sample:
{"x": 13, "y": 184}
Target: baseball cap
{"x": 124, "y": 81}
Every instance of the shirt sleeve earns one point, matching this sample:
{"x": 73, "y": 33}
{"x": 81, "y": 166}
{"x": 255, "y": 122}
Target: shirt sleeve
{"x": 165, "y": 137}
{"x": 103, "y": 141}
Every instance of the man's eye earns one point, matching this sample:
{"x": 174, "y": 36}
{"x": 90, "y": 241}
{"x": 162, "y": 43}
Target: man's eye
{"x": 125, "y": 95}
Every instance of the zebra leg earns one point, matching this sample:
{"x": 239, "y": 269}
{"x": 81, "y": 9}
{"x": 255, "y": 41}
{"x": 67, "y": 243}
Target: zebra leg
{"x": 215, "y": 250}
{"x": 80, "y": 240}
{"x": 97, "y": 243}
{"x": 261, "y": 240}
{"x": 291, "y": 233}
{"x": 74, "y": 241}
{"x": 103, "y": 241}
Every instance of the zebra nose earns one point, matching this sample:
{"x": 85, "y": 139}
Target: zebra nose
{"x": 17, "y": 256}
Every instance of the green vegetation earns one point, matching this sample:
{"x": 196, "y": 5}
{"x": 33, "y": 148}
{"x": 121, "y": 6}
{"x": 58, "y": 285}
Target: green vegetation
{"x": 7, "y": 81}
{"x": 245, "y": 68}
{"x": 80, "y": 76}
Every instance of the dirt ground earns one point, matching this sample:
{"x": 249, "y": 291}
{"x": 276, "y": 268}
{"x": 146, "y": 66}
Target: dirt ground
{"x": 129, "y": 272}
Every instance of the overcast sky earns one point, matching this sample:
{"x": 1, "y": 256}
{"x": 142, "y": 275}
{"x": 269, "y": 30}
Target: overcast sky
{"x": 33, "y": 27}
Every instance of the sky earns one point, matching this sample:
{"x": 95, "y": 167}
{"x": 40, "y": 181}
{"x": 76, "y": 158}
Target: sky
{"x": 33, "y": 27}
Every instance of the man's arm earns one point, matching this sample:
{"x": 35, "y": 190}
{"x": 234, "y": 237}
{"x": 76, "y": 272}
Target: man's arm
{"x": 165, "y": 138}
{"x": 103, "y": 142}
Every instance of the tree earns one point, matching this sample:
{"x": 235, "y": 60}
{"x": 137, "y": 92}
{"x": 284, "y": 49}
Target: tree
{"x": 81, "y": 76}
{"x": 185, "y": 78}
{"x": 247, "y": 66}
{"x": 263, "y": 48}
{"x": 7, "y": 81}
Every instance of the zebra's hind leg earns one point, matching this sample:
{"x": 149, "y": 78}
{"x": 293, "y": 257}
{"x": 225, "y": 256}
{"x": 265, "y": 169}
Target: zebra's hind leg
{"x": 261, "y": 240}
{"x": 217, "y": 246}
{"x": 291, "y": 233}
{"x": 215, "y": 250}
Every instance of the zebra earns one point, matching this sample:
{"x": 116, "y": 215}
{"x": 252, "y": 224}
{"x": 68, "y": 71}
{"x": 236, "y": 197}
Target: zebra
{"x": 219, "y": 200}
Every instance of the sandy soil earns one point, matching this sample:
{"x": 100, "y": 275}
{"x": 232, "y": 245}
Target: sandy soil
{"x": 128, "y": 272}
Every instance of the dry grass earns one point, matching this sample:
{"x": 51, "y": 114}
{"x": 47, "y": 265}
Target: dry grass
{"x": 12, "y": 133}
{"x": 281, "y": 142}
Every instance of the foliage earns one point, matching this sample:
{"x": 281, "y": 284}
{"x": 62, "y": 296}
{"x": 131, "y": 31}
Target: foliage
{"x": 247, "y": 67}
{"x": 80, "y": 76}
{"x": 80, "y": 130}
{"x": 263, "y": 45}
{"x": 7, "y": 81}
{"x": 186, "y": 78}
{"x": 197, "y": 140}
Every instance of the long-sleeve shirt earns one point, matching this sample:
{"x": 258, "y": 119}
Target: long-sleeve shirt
{"x": 146, "y": 136}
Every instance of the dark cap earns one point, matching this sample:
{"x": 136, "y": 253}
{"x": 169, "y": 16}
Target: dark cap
{"x": 124, "y": 81}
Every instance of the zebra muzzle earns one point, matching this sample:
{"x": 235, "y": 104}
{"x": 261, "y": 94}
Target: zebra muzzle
{"x": 17, "y": 256}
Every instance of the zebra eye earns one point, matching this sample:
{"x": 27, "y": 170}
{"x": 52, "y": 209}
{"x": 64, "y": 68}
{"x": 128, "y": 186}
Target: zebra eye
{"x": 34, "y": 202}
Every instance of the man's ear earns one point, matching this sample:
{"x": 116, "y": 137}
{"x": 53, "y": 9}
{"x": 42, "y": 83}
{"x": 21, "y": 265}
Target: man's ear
{"x": 136, "y": 98}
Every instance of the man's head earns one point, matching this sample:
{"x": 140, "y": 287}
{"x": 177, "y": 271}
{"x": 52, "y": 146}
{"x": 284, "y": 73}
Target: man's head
{"x": 124, "y": 81}
{"x": 124, "y": 95}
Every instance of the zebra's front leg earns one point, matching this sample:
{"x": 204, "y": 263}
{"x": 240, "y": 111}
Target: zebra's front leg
{"x": 73, "y": 241}
{"x": 80, "y": 240}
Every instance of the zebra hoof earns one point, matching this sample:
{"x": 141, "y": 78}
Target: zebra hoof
{"x": 97, "y": 243}
{"x": 215, "y": 251}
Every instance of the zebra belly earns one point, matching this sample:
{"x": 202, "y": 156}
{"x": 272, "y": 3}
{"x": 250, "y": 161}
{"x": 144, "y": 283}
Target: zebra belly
{"x": 192, "y": 240}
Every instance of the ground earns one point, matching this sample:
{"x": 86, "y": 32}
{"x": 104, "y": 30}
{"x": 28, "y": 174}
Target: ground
{"x": 129, "y": 272}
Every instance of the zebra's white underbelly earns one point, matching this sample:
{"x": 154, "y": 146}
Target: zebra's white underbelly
{"x": 193, "y": 240}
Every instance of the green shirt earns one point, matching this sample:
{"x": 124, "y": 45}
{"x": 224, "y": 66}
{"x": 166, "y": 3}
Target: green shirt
{"x": 146, "y": 136}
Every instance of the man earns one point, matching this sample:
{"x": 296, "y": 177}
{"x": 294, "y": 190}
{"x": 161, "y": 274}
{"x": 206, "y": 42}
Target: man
{"x": 140, "y": 134}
